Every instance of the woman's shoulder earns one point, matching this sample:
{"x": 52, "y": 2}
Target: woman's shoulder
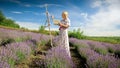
{"x": 68, "y": 19}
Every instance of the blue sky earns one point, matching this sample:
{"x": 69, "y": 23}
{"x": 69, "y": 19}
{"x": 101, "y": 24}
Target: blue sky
{"x": 94, "y": 17}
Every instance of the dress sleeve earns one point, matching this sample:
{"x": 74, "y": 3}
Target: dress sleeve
{"x": 68, "y": 22}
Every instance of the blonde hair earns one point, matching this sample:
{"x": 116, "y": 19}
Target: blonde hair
{"x": 65, "y": 14}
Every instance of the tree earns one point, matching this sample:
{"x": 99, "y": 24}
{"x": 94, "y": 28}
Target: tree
{"x": 2, "y": 17}
{"x": 41, "y": 28}
{"x": 76, "y": 34}
{"x": 10, "y": 23}
{"x": 7, "y": 22}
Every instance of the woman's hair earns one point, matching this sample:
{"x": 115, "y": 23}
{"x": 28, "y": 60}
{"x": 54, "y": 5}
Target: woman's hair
{"x": 64, "y": 14}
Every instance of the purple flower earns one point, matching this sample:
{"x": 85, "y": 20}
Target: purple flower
{"x": 96, "y": 54}
{"x": 4, "y": 64}
{"x": 79, "y": 43}
{"x": 57, "y": 57}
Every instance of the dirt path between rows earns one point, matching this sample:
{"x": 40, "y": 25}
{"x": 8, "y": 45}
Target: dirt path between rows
{"x": 77, "y": 60}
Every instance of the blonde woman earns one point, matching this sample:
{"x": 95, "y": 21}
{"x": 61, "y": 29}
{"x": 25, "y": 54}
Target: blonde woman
{"x": 63, "y": 35}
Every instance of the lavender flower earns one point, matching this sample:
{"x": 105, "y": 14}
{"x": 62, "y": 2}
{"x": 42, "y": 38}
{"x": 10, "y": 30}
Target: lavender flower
{"x": 21, "y": 36}
{"x": 79, "y": 43}
{"x": 100, "y": 61}
{"x": 98, "y": 47}
{"x": 15, "y": 52}
{"x": 96, "y": 55}
{"x": 57, "y": 57}
{"x": 117, "y": 49}
{"x": 111, "y": 48}
{"x": 4, "y": 64}
{"x": 86, "y": 52}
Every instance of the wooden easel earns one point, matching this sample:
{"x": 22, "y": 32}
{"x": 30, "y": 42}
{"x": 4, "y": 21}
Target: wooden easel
{"x": 48, "y": 22}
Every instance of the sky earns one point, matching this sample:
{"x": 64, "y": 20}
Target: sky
{"x": 93, "y": 17}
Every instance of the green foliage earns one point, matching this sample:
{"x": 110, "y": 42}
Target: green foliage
{"x": 43, "y": 31}
{"x": 20, "y": 39}
{"x": 101, "y": 51}
{"x": 57, "y": 63}
{"x": 41, "y": 28}
{"x": 113, "y": 40}
{"x": 76, "y": 34}
{"x": 43, "y": 43}
{"x": 2, "y": 17}
{"x": 20, "y": 55}
{"x": 11, "y": 62}
{"x": 7, "y": 22}
{"x": 24, "y": 29}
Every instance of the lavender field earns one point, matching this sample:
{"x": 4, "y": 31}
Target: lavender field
{"x": 19, "y": 49}
{"x": 98, "y": 54}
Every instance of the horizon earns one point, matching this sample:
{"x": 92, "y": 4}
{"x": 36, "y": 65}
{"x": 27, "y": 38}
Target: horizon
{"x": 94, "y": 17}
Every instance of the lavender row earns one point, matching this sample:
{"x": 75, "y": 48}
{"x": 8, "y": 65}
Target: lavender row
{"x": 14, "y": 53}
{"x": 89, "y": 44}
{"x": 87, "y": 48}
{"x": 79, "y": 43}
{"x": 22, "y": 36}
{"x": 95, "y": 60}
{"x": 100, "y": 47}
{"x": 104, "y": 48}
{"x": 57, "y": 57}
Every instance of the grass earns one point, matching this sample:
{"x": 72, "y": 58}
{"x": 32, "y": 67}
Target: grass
{"x": 20, "y": 55}
{"x": 11, "y": 62}
{"x": 101, "y": 51}
{"x": 113, "y": 40}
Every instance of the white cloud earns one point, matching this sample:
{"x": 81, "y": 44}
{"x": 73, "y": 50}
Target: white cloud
{"x": 29, "y": 25}
{"x": 105, "y": 21}
{"x": 97, "y": 3}
{"x": 77, "y": 17}
{"x": 85, "y": 15}
{"x": 15, "y": 1}
{"x": 35, "y": 13}
{"x": 27, "y": 5}
{"x": 33, "y": 25}
{"x": 20, "y": 3}
{"x": 16, "y": 12}
{"x": 43, "y": 5}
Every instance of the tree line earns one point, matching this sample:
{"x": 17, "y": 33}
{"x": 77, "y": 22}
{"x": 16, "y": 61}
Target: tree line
{"x": 7, "y": 22}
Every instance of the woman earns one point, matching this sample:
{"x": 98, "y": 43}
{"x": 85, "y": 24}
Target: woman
{"x": 63, "y": 35}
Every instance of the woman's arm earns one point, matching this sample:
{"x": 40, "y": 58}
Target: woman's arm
{"x": 61, "y": 24}
{"x": 64, "y": 25}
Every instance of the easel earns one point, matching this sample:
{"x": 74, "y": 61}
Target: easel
{"x": 48, "y": 21}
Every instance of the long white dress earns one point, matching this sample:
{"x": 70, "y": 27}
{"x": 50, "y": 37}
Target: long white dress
{"x": 63, "y": 35}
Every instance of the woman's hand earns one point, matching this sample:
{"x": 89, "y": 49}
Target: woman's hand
{"x": 60, "y": 24}
{"x": 63, "y": 25}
